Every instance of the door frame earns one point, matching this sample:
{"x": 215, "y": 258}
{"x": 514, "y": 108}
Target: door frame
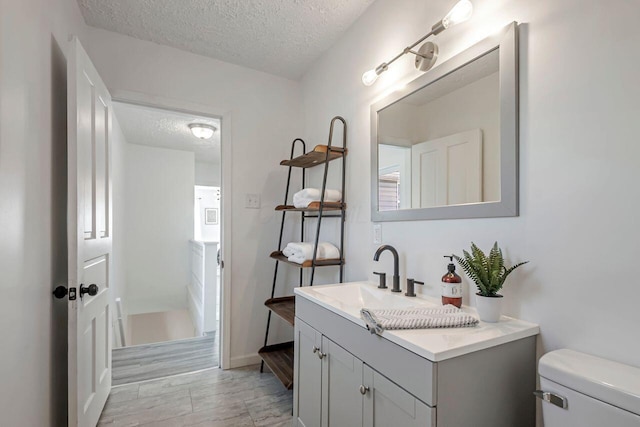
{"x": 224, "y": 115}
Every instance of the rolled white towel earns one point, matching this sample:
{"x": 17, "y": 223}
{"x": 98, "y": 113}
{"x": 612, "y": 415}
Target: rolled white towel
{"x": 328, "y": 251}
{"x": 300, "y": 252}
{"x": 300, "y": 249}
{"x": 303, "y": 198}
{"x": 288, "y": 251}
{"x": 298, "y": 259}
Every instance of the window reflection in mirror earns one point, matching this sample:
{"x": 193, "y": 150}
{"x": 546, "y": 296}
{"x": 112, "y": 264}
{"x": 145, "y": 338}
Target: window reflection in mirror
{"x": 440, "y": 146}
{"x": 394, "y": 178}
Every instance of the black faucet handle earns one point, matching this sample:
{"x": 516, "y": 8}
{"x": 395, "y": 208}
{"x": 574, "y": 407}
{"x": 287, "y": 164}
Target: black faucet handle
{"x": 383, "y": 280}
{"x": 411, "y": 287}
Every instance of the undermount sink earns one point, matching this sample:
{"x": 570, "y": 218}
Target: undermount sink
{"x": 359, "y": 295}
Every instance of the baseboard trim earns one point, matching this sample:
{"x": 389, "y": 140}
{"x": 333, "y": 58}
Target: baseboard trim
{"x": 244, "y": 360}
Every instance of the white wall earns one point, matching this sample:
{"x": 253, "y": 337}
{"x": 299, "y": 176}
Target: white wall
{"x": 206, "y": 198}
{"x": 578, "y": 161}
{"x": 208, "y": 174}
{"x": 118, "y": 189}
{"x": 159, "y": 224}
{"x": 33, "y": 137}
{"x": 266, "y": 117}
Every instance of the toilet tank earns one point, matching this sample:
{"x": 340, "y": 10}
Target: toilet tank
{"x": 581, "y": 390}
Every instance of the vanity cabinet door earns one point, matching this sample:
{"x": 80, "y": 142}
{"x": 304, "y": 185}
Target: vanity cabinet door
{"x": 386, "y": 404}
{"x": 342, "y": 396}
{"x": 307, "y": 376}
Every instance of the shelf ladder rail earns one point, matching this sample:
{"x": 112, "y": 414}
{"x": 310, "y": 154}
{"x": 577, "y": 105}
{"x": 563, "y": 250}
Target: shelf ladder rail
{"x": 282, "y": 222}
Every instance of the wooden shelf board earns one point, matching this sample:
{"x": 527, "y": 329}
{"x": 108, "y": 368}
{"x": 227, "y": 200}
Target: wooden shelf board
{"x": 284, "y": 307}
{"x": 313, "y": 207}
{"x": 307, "y": 264}
{"x": 315, "y": 157}
{"x": 279, "y": 358}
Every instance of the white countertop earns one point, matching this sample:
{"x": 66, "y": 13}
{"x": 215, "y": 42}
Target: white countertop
{"x": 433, "y": 344}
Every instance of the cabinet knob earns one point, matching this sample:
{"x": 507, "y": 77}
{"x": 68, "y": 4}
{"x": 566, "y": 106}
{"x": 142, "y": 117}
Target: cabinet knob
{"x": 364, "y": 389}
{"x": 318, "y": 353}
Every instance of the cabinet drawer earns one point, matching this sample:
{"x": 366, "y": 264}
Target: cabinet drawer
{"x": 416, "y": 374}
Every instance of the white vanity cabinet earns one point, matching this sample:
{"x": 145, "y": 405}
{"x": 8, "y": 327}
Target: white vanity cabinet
{"x": 346, "y": 377}
{"x": 332, "y": 387}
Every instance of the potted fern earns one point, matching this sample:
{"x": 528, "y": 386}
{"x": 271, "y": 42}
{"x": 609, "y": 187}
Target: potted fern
{"x": 489, "y": 274}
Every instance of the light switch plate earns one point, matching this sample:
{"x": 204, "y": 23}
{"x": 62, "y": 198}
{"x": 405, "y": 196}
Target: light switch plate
{"x": 252, "y": 201}
{"x": 377, "y": 233}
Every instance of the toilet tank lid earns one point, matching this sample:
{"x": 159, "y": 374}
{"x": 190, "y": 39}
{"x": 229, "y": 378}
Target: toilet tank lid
{"x": 602, "y": 379}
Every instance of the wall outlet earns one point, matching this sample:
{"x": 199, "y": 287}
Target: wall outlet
{"x": 252, "y": 201}
{"x": 377, "y": 233}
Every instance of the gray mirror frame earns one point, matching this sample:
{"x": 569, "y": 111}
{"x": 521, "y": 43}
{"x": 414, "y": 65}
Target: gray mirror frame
{"x": 507, "y": 41}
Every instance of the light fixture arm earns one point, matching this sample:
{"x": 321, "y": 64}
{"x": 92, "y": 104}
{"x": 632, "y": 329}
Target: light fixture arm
{"x": 409, "y": 49}
{"x": 460, "y": 12}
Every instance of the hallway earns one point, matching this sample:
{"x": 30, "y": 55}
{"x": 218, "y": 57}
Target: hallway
{"x": 213, "y": 397}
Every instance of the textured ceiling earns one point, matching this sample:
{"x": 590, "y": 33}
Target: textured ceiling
{"x": 282, "y": 37}
{"x": 167, "y": 129}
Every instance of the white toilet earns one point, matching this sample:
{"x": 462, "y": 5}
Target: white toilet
{"x": 582, "y": 391}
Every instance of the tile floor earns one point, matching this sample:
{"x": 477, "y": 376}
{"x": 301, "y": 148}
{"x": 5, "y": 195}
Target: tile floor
{"x": 159, "y": 360}
{"x": 236, "y": 398}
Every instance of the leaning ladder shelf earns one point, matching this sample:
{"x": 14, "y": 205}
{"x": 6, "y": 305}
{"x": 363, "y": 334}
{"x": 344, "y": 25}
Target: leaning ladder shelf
{"x": 279, "y": 357}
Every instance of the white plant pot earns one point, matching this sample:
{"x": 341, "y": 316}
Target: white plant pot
{"x": 489, "y": 308}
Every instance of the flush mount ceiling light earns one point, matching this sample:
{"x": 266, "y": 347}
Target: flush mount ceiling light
{"x": 427, "y": 55}
{"x": 202, "y": 131}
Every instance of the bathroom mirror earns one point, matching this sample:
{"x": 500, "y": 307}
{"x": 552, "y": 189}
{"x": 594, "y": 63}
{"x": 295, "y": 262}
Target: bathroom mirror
{"x": 446, "y": 145}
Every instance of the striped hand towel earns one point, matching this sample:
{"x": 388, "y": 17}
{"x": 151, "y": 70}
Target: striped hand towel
{"x": 449, "y": 316}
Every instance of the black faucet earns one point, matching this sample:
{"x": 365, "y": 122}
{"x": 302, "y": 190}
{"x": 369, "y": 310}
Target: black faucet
{"x": 396, "y": 265}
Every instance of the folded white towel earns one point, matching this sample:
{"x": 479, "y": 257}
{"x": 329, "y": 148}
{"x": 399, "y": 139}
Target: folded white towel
{"x": 300, "y": 252}
{"x": 303, "y": 198}
{"x": 449, "y": 316}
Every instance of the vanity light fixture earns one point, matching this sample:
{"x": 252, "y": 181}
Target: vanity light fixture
{"x": 427, "y": 54}
{"x": 201, "y": 130}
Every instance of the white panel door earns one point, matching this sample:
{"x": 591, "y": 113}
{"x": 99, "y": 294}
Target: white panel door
{"x": 89, "y": 238}
{"x": 447, "y": 171}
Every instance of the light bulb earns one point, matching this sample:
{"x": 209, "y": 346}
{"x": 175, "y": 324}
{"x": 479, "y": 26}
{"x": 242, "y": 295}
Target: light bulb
{"x": 369, "y": 77}
{"x": 460, "y": 13}
{"x": 201, "y": 130}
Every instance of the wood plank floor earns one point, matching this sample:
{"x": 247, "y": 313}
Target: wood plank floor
{"x": 158, "y": 360}
{"x": 214, "y": 398}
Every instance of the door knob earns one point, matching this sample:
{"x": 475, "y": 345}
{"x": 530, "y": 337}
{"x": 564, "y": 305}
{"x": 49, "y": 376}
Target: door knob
{"x": 92, "y": 290}
{"x": 364, "y": 389}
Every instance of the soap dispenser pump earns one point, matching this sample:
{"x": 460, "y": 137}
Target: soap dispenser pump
{"x": 451, "y": 285}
